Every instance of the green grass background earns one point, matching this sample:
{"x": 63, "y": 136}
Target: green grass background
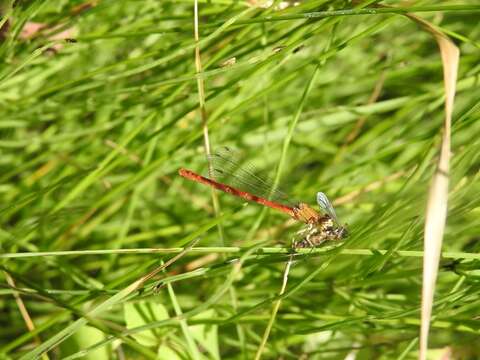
{"x": 93, "y": 133}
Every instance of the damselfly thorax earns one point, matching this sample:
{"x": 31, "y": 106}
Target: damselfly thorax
{"x": 319, "y": 228}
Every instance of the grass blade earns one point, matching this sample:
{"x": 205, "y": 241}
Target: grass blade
{"x": 436, "y": 212}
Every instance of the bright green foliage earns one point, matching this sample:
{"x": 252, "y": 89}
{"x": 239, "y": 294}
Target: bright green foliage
{"x": 92, "y": 134}
{"x": 139, "y": 314}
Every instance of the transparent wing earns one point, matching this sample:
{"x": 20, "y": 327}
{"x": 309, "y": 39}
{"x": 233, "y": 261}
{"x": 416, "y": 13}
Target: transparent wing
{"x": 326, "y": 206}
{"x": 230, "y": 168}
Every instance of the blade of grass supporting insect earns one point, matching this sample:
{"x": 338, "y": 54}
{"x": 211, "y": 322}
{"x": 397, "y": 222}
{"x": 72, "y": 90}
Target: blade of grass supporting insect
{"x": 237, "y": 250}
{"x": 436, "y": 212}
{"x": 114, "y": 300}
{"x": 276, "y": 306}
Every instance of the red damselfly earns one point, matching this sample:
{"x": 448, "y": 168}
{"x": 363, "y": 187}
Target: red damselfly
{"x": 234, "y": 177}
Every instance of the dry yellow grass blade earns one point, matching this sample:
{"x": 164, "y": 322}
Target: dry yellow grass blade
{"x": 436, "y": 213}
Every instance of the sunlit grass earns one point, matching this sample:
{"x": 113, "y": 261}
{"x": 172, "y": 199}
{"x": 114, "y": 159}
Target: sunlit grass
{"x": 92, "y": 134}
